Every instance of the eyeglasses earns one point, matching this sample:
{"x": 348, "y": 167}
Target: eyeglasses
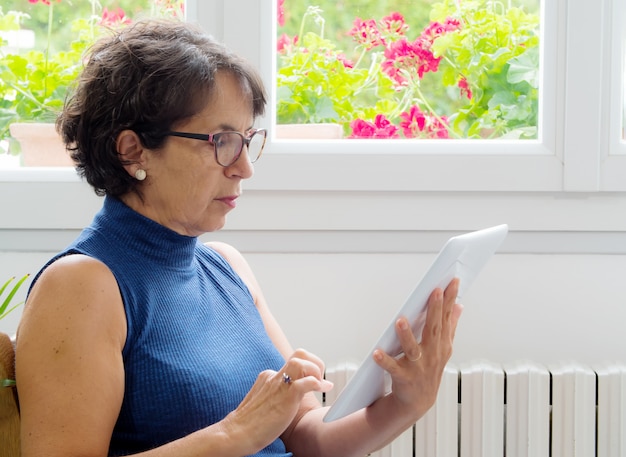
{"x": 228, "y": 145}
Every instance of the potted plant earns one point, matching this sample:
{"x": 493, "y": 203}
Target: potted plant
{"x": 470, "y": 72}
{"x": 35, "y": 82}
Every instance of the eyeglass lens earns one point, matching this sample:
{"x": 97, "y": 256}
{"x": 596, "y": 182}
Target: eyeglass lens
{"x": 230, "y": 144}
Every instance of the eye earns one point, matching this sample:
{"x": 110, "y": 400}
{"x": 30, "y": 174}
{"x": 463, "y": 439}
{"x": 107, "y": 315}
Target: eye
{"x": 218, "y": 140}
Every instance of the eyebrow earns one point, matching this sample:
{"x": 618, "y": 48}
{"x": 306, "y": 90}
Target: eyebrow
{"x": 228, "y": 127}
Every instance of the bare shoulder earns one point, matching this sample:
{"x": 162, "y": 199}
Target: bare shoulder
{"x": 79, "y": 288}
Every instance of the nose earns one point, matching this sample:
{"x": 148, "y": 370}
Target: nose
{"x": 242, "y": 167}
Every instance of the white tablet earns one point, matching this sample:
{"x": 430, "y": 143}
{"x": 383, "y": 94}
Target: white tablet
{"x": 461, "y": 257}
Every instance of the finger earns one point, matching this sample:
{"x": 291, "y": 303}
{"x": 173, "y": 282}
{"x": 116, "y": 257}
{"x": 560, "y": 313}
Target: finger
{"x": 454, "y": 320}
{"x": 386, "y": 362}
{"x": 432, "y": 326}
{"x": 305, "y": 383}
{"x": 449, "y": 298}
{"x": 306, "y": 370}
{"x": 304, "y": 355}
{"x": 410, "y": 347}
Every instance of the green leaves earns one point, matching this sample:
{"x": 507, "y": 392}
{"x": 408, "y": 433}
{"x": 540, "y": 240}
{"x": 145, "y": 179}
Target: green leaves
{"x": 497, "y": 51}
{"x": 315, "y": 86}
{"x": 5, "y": 306}
{"x": 33, "y": 87}
{"x": 485, "y": 85}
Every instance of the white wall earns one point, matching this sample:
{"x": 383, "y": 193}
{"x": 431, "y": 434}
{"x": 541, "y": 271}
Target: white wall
{"x": 541, "y": 307}
{"x": 548, "y": 295}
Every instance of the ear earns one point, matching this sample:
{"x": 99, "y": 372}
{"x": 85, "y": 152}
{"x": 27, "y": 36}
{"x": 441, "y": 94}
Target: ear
{"x": 131, "y": 150}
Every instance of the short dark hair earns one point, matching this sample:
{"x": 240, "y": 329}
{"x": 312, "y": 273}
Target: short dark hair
{"x": 146, "y": 78}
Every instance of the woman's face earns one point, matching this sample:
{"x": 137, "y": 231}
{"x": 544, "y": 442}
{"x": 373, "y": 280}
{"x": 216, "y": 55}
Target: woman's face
{"x": 186, "y": 189}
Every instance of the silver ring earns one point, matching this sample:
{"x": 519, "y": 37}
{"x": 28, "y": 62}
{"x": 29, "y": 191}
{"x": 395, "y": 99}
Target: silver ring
{"x": 286, "y": 378}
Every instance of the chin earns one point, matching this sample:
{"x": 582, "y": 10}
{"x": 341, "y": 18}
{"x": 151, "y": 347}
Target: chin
{"x": 216, "y": 226}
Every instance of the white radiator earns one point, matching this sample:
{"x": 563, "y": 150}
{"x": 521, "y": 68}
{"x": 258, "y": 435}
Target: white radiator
{"x": 521, "y": 409}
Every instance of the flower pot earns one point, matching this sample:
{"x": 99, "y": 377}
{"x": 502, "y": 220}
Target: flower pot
{"x": 41, "y": 145}
{"x": 309, "y": 131}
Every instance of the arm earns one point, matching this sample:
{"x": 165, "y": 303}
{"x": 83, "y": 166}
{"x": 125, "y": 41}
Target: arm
{"x": 68, "y": 360}
{"x": 70, "y": 375}
{"x": 414, "y": 383}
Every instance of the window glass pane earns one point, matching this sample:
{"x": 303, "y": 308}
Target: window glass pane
{"x": 40, "y": 54}
{"x": 409, "y": 68}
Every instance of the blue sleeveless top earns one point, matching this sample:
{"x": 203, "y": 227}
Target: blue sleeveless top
{"x": 196, "y": 341}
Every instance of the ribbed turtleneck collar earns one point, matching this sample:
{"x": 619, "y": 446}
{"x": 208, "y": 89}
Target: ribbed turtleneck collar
{"x": 143, "y": 237}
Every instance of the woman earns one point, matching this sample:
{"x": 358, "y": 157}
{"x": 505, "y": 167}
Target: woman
{"x": 138, "y": 339}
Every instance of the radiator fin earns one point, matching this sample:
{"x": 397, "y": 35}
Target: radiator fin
{"x": 519, "y": 409}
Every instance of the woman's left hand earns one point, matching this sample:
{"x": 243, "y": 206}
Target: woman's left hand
{"x": 417, "y": 374}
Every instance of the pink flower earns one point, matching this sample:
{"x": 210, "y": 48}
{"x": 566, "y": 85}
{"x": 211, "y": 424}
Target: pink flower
{"x": 380, "y": 128}
{"x": 465, "y": 88}
{"x": 435, "y": 29}
{"x": 413, "y": 122}
{"x": 281, "y": 12}
{"x": 404, "y": 59}
{"x": 394, "y": 25}
{"x": 173, "y": 7}
{"x": 284, "y": 43}
{"x": 439, "y": 128}
{"x": 345, "y": 61}
{"x": 416, "y": 124}
{"x": 366, "y": 33}
{"x": 114, "y": 17}
{"x": 45, "y": 2}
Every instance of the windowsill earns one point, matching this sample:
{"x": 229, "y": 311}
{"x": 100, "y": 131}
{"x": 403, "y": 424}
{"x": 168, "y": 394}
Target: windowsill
{"x": 38, "y": 174}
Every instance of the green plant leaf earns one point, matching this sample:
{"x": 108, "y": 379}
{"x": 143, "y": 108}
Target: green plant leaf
{"x": 4, "y": 306}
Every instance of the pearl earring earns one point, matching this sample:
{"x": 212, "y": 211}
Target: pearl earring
{"x": 140, "y": 174}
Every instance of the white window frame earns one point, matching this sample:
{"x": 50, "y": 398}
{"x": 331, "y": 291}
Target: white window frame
{"x": 583, "y": 58}
{"x": 573, "y": 153}
{"x": 614, "y": 160}
{"x": 400, "y": 165}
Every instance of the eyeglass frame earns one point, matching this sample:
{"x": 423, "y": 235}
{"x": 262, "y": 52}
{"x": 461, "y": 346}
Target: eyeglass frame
{"x": 210, "y": 138}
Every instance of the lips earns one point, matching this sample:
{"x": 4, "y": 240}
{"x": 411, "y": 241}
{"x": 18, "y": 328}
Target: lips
{"x": 229, "y": 201}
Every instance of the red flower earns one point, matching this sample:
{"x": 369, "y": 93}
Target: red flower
{"x": 436, "y": 29}
{"x": 416, "y": 124}
{"x": 284, "y": 43}
{"x": 345, "y": 61}
{"x": 439, "y": 128}
{"x": 394, "y": 25}
{"x": 380, "y": 128}
{"x": 366, "y": 33}
{"x": 413, "y": 59}
{"x": 413, "y": 122}
{"x": 281, "y": 12}
{"x": 465, "y": 88}
{"x": 406, "y": 59}
{"x": 113, "y": 18}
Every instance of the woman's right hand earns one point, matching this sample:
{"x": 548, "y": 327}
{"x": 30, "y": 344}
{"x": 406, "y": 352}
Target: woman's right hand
{"x": 274, "y": 400}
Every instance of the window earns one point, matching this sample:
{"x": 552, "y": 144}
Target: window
{"x": 402, "y": 165}
{"x": 569, "y": 155}
{"x": 580, "y": 146}
{"x": 409, "y": 69}
{"x": 42, "y": 42}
